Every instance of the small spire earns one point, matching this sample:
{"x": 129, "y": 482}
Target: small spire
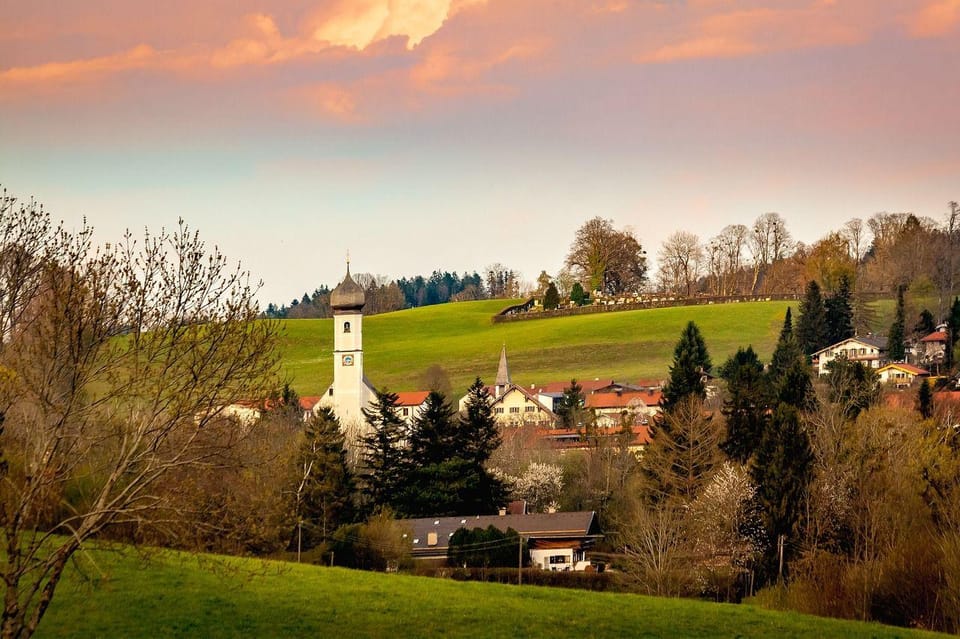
{"x": 503, "y": 371}
{"x": 348, "y": 261}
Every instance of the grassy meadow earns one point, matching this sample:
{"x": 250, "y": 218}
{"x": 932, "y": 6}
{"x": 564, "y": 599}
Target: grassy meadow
{"x": 180, "y": 595}
{"x": 628, "y": 345}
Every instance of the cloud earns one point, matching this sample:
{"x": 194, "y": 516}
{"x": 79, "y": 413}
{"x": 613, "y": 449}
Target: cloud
{"x": 760, "y": 30}
{"x": 935, "y": 20}
{"x": 139, "y": 57}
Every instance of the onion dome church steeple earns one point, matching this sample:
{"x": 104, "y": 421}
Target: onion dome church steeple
{"x": 347, "y": 296}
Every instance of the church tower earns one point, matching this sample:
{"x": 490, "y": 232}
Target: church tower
{"x": 351, "y": 391}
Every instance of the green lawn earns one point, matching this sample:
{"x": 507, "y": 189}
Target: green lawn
{"x": 629, "y": 345}
{"x": 175, "y": 595}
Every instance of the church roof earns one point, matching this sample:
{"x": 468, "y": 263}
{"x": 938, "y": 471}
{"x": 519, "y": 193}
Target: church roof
{"x": 347, "y": 295}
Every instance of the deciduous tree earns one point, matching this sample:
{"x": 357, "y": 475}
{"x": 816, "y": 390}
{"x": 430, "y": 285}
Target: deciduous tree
{"x": 611, "y": 261}
{"x": 116, "y": 364}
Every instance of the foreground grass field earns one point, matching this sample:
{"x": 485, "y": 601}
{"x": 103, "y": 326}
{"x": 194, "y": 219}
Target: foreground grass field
{"x": 399, "y": 347}
{"x": 176, "y": 595}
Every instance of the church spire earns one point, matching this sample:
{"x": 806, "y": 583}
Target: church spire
{"x": 503, "y": 372}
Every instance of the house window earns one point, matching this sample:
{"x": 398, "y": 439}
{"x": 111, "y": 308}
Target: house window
{"x": 406, "y": 412}
{"x": 558, "y": 559}
{"x": 530, "y": 409}
{"x": 499, "y": 410}
{"x": 514, "y": 409}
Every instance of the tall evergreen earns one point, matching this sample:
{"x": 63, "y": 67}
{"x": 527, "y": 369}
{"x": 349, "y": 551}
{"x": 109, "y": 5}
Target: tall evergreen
{"x": 811, "y": 330}
{"x": 782, "y": 471}
{"x": 896, "y": 340}
{"x": 786, "y": 353}
{"x": 325, "y": 486}
{"x": 746, "y": 404}
{"x": 577, "y": 295}
{"x": 382, "y": 456}
{"x": 795, "y": 387}
{"x": 445, "y": 472}
{"x": 839, "y": 312}
{"x": 925, "y": 400}
{"x": 953, "y": 333}
{"x": 570, "y": 407}
{"x": 691, "y": 362}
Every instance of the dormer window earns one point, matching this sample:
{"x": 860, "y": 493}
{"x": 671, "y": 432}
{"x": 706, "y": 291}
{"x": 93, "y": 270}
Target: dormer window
{"x": 346, "y": 327}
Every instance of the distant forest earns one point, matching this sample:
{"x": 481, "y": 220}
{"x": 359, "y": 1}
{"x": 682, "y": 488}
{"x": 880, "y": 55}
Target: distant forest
{"x": 385, "y": 295}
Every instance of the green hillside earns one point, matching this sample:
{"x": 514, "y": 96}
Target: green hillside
{"x": 460, "y": 337}
{"x": 176, "y": 595}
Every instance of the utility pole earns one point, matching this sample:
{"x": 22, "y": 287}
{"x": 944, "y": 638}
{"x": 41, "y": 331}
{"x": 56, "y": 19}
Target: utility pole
{"x": 780, "y": 542}
{"x": 519, "y": 560}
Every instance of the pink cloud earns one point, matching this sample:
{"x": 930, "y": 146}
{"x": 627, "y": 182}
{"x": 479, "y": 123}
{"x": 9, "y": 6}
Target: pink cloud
{"x": 935, "y": 19}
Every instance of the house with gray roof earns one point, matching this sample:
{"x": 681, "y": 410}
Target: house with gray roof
{"x": 557, "y": 541}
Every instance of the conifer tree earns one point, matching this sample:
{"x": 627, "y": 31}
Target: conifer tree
{"x": 382, "y": 456}
{"x": 746, "y": 404}
{"x": 785, "y": 355}
{"x": 925, "y": 324}
{"x": 325, "y": 490}
{"x": 551, "y": 297}
{"x": 782, "y": 471}
{"x": 811, "y": 330}
{"x": 953, "y": 333}
{"x": 925, "y": 400}
{"x": 896, "y": 340}
{"x": 691, "y": 362}
{"x": 570, "y": 407}
{"x": 577, "y": 295}
{"x": 480, "y": 435}
{"x": 839, "y": 312}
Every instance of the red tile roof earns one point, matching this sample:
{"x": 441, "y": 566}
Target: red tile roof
{"x": 307, "y": 402}
{"x": 622, "y": 400}
{"x": 411, "y": 398}
{"x": 938, "y": 336}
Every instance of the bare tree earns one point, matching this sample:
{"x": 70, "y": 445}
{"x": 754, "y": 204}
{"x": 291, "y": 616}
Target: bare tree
{"x": 117, "y": 362}
{"x": 769, "y": 243}
{"x": 680, "y": 258}
{"x": 725, "y": 252}
{"x": 611, "y": 261}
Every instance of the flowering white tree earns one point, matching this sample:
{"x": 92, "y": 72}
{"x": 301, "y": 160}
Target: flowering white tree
{"x": 541, "y": 486}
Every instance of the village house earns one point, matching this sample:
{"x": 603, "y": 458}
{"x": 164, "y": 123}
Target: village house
{"x": 613, "y": 409}
{"x": 409, "y": 405}
{"x": 900, "y": 374}
{"x": 870, "y": 350}
{"x": 514, "y": 405}
{"x": 931, "y": 349}
{"x": 557, "y": 541}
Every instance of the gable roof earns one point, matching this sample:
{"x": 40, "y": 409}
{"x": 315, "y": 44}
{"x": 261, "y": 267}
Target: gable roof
{"x": 307, "y": 402}
{"x": 936, "y": 336}
{"x": 563, "y": 525}
{"x": 878, "y": 342}
{"x": 906, "y": 368}
{"x": 588, "y": 386}
{"x": 411, "y": 398}
{"x": 622, "y": 400}
{"x": 527, "y": 394}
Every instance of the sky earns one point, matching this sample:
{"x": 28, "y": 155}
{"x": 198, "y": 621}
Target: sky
{"x": 452, "y": 134}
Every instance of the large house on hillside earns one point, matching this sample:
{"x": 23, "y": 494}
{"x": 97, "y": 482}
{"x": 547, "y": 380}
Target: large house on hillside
{"x": 557, "y": 541}
{"x": 870, "y": 350}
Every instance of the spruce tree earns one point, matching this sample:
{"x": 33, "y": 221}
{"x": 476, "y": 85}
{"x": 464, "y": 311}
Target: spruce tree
{"x": 691, "y": 362}
{"x": 479, "y": 438}
{"x": 551, "y": 298}
{"x": 839, "y": 312}
{"x": 811, "y": 330}
{"x": 325, "y": 486}
{"x": 570, "y": 407}
{"x": 953, "y": 333}
{"x": 577, "y": 295}
{"x": 782, "y": 470}
{"x": 746, "y": 404}
{"x": 795, "y": 387}
{"x": 785, "y": 355}
{"x": 925, "y": 400}
{"x": 382, "y": 456}
{"x": 896, "y": 340}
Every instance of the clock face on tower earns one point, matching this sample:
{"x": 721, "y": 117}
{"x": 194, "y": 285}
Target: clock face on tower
{"x": 347, "y": 360}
